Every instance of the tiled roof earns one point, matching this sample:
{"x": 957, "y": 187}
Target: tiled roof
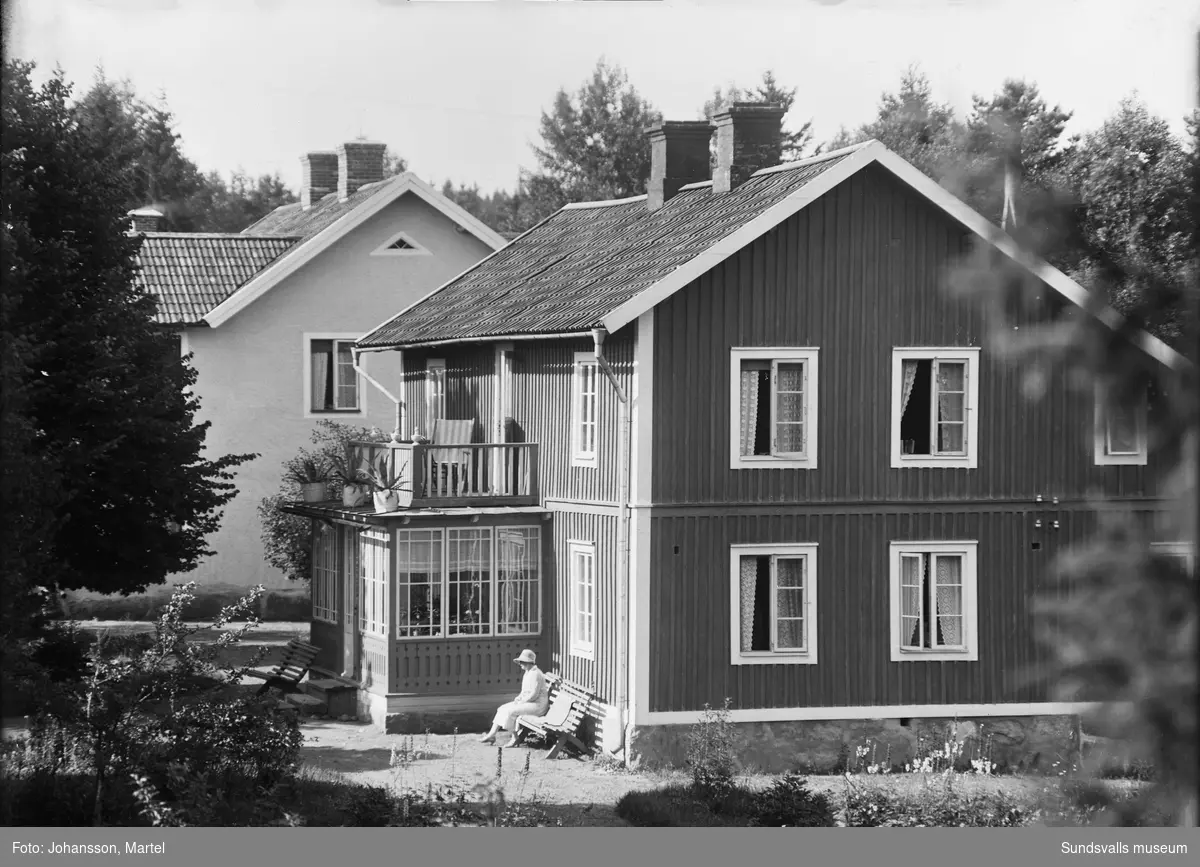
{"x": 293, "y": 220}
{"x": 568, "y": 272}
{"x": 191, "y": 273}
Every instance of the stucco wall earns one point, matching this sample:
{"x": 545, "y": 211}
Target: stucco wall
{"x": 251, "y": 369}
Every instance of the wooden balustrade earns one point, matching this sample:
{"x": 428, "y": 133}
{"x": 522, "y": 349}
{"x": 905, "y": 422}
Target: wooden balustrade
{"x": 468, "y": 474}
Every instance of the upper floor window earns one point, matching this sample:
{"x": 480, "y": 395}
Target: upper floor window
{"x": 935, "y": 400}
{"x": 1120, "y": 433}
{"x": 774, "y": 412}
{"x": 933, "y": 601}
{"x": 331, "y": 385}
{"x": 435, "y": 390}
{"x": 774, "y": 600}
{"x": 400, "y": 244}
{"x": 584, "y": 407}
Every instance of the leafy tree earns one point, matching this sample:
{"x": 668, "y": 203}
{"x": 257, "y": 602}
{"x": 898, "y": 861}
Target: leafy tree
{"x": 909, "y": 123}
{"x": 393, "y": 164}
{"x": 94, "y": 392}
{"x": 1121, "y": 624}
{"x": 222, "y": 207}
{"x": 1136, "y": 226}
{"x": 796, "y": 141}
{"x": 593, "y": 147}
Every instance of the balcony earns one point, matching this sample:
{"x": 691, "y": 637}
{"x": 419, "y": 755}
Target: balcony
{"x": 457, "y": 476}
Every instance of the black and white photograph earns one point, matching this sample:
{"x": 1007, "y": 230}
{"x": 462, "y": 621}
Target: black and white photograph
{"x": 600, "y": 413}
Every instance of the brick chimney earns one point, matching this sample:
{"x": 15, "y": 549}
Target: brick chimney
{"x": 359, "y": 163}
{"x": 320, "y": 177}
{"x": 749, "y": 138}
{"x": 144, "y": 220}
{"x": 678, "y": 156}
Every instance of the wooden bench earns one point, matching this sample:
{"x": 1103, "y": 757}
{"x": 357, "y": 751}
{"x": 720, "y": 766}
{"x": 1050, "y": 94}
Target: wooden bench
{"x": 286, "y": 676}
{"x": 563, "y": 718}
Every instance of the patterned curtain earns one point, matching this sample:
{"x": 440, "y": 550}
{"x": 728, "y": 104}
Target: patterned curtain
{"x": 320, "y": 378}
{"x": 910, "y": 600}
{"x": 910, "y": 376}
{"x": 949, "y": 599}
{"x": 749, "y": 410}
{"x": 749, "y": 578}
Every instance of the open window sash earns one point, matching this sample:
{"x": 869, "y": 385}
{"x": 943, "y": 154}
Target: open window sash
{"x": 789, "y": 603}
{"x": 948, "y": 435}
{"x": 789, "y": 387}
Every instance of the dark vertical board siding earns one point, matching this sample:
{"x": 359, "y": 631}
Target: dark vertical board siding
{"x": 598, "y": 675}
{"x": 858, "y": 272}
{"x": 690, "y": 592}
{"x": 542, "y": 385}
{"x": 470, "y": 384}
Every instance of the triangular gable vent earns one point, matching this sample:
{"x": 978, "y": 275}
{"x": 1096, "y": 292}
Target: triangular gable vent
{"x": 400, "y": 244}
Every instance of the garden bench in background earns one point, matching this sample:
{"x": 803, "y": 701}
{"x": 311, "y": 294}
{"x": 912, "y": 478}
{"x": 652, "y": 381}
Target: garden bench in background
{"x": 564, "y": 718}
{"x": 286, "y": 676}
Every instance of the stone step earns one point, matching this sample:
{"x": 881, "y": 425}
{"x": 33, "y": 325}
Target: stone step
{"x": 341, "y": 698}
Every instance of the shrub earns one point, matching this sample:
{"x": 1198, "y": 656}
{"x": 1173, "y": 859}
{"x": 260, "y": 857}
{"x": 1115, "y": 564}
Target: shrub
{"x": 710, "y": 754}
{"x": 62, "y": 652}
{"x": 936, "y": 803}
{"x": 788, "y": 802}
{"x": 681, "y": 806}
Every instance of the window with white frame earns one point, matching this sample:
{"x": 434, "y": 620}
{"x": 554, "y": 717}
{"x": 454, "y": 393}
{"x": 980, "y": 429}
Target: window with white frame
{"x": 774, "y": 601}
{"x": 774, "y": 412}
{"x": 933, "y": 601}
{"x": 332, "y": 385}
{"x": 584, "y": 408}
{"x": 435, "y": 390}
{"x": 935, "y": 407}
{"x": 325, "y": 574}
{"x": 582, "y": 568}
{"x": 468, "y": 582}
{"x": 373, "y": 556}
{"x": 1180, "y": 552}
{"x": 1120, "y": 433}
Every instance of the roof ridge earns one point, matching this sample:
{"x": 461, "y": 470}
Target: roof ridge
{"x": 605, "y": 203}
{"x": 232, "y": 236}
{"x": 814, "y": 160}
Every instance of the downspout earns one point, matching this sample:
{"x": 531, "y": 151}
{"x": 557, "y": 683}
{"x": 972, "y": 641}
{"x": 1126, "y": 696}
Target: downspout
{"x": 624, "y": 464}
{"x": 396, "y": 434}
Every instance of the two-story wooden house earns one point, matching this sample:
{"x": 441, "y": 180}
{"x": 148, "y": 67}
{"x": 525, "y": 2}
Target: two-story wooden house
{"x": 731, "y": 439}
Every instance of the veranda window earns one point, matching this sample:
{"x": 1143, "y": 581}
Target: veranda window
{"x": 373, "y": 572}
{"x": 468, "y": 582}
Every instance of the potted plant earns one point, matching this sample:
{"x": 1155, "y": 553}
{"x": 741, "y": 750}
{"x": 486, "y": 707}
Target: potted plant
{"x": 386, "y": 485}
{"x": 355, "y": 483}
{"x": 312, "y": 476}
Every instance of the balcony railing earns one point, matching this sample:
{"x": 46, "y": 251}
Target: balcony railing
{"x": 471, "y": 474}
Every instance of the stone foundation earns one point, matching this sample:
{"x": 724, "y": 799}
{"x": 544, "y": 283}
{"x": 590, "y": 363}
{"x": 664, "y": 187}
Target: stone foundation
{"x": 1043, "y": 744}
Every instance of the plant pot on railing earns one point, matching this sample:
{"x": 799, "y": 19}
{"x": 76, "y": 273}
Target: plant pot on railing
{"x": 313, "y": 492}
{"x": 354, "y": 495}
{"x": 386, "y": 501}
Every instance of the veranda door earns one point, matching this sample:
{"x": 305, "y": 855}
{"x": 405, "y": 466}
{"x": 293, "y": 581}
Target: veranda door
{"x": 350, "y": 581}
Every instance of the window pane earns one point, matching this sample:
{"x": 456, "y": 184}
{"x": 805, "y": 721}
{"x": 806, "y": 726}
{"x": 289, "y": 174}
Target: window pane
{"x": 789, "y": 438}
{"x": 910, "y": 600}
{"x": 419, "y": 583}
{"x": 1122, "y": 432}
{"x": 948, "y": 599}
{"x": 322, "y": 375}
{"x": 347, "y": 378}
{"x": 791, "y": 378}
{"x": 951, "y": 375}
{"x": 951, "y": 407}
{"x": 790, "y": 635}
{"x": 951, "y": 437}
{"x": 469, "y": 581}
{"x": 789, "y": 407}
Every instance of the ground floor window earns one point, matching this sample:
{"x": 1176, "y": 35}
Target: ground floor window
{"x": 468, "y": 582}
{"x": 933, "y": 607}
{"x": 773, "y": 600}
{"x": 325, "y": 574}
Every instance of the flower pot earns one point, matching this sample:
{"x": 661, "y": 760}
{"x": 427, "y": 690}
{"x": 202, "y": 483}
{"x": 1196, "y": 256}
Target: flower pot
{"x": 353, "y": 495}
{"x": 386, "y": 501}
{"x": 313, "y": 492}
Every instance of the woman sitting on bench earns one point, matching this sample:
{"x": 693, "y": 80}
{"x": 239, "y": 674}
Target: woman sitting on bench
{"x": 533, "y": 700}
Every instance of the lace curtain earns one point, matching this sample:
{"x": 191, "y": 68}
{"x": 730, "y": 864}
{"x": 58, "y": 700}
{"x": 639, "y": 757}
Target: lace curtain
{"x": 949, "y": 600}
{"x": 749, "y": 578}
{"x": 749, "y": 410}
{"x": 320, "y": 378}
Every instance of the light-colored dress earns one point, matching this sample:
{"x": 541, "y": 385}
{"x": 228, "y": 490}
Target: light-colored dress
{"x": 534, "y": 700}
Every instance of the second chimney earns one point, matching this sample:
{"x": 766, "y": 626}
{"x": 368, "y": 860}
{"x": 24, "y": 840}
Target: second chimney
{"x": 144, "y": 220}
{"x": 359, "y": 163}
{"x": 749, "y": 138}
{"x": 320, "y": 177}
{"x": 678, "y": 156}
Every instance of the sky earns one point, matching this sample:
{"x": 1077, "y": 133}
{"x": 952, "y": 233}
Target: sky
{"x": 458, "y": 86}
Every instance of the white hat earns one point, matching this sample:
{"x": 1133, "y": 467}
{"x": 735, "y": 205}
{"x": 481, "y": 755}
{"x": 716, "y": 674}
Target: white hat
{"x": 527, "y": 655}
